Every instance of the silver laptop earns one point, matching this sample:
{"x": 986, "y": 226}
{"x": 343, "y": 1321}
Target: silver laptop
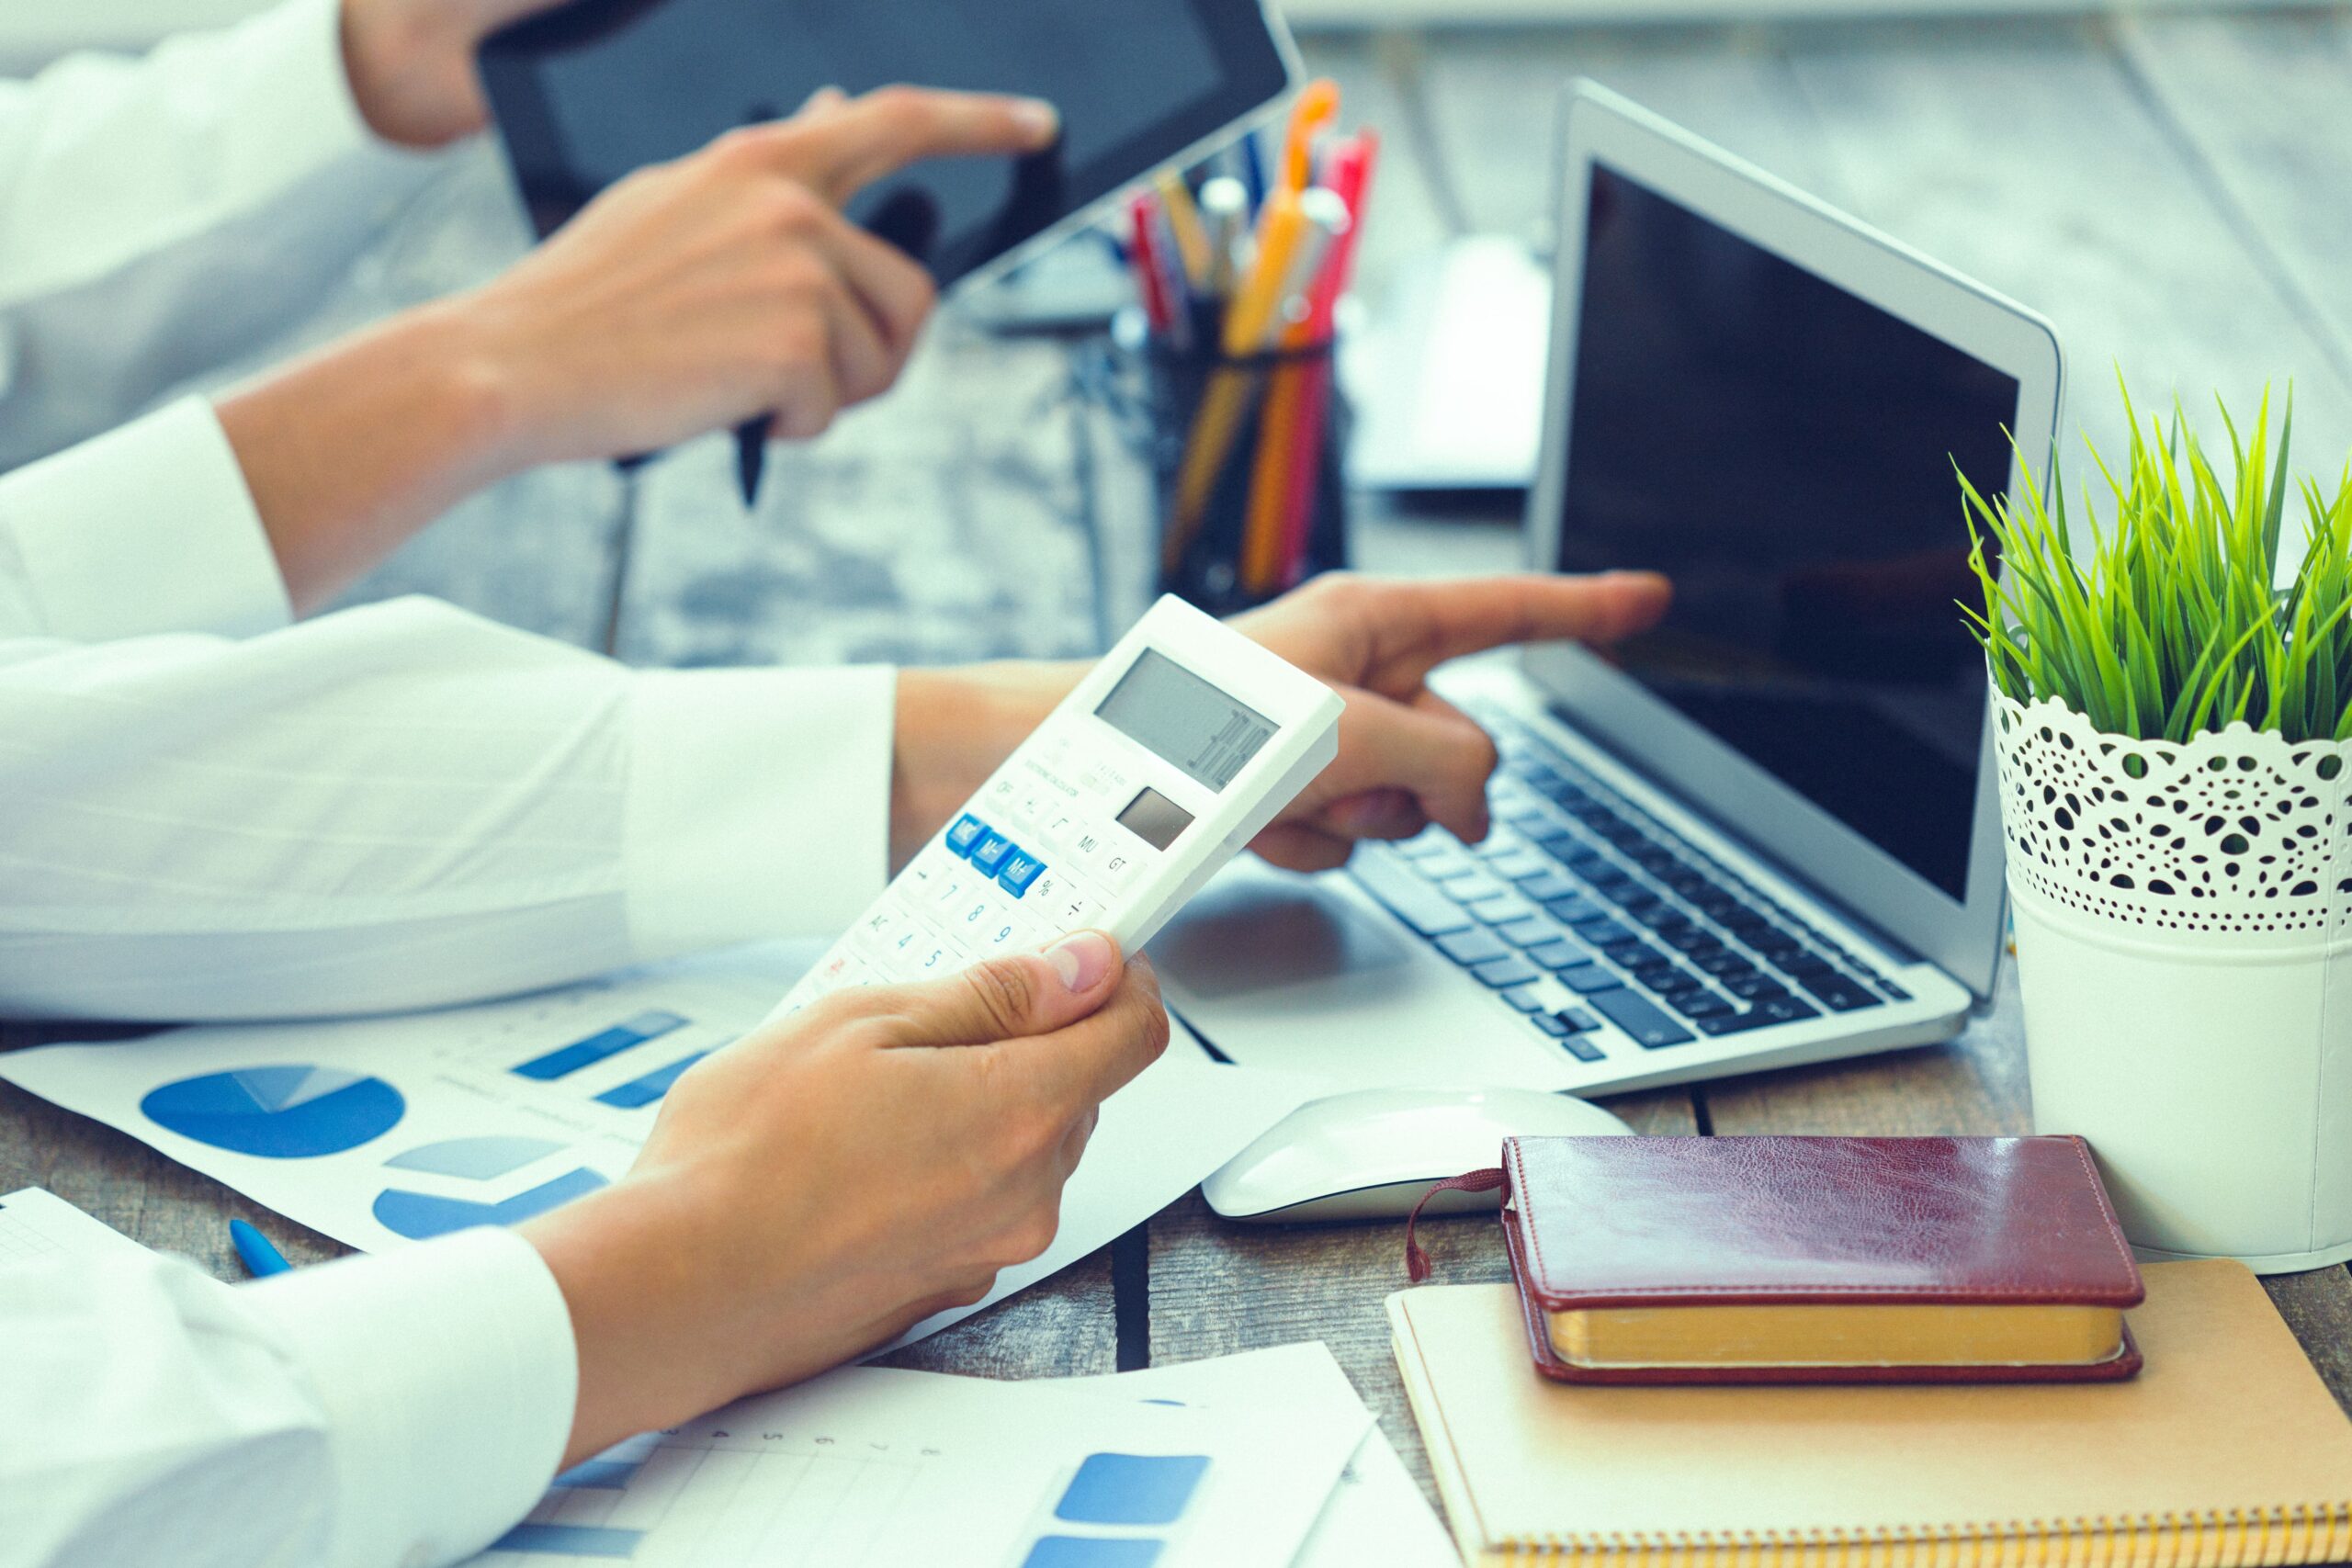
{"x": 1765, "y": 832}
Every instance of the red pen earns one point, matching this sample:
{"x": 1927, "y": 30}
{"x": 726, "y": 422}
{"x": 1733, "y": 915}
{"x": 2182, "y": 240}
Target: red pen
{"x": 1152, "y": 279}
{"x": 1351, "y": 171}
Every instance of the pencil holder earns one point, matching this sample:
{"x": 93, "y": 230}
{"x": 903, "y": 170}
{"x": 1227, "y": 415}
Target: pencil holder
{"x": 1246, "y": 459}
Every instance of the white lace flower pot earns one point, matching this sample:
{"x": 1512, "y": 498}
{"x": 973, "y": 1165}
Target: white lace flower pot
{"x": 2184, "y": 928}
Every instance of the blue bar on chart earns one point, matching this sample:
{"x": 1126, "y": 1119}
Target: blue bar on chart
{"x": 652, "y": 1087}
{"x": 596, "y": 1047}
{"x": 613, "y": 1470}
{"x": 1131, "y": 1489}
{"x": 569, "y": 1541}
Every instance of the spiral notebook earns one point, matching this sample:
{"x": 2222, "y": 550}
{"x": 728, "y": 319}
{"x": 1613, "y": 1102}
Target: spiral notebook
{"x": 2227, "y": 1450}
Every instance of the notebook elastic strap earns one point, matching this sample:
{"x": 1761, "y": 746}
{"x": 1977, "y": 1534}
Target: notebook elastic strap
{"x": 1416, "y": 1262}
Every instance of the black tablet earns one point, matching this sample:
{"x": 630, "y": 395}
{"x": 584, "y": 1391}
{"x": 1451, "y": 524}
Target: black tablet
{"x": 584, "y": 94}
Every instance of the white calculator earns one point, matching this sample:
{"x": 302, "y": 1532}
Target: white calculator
{"x": 1172, "y": 754}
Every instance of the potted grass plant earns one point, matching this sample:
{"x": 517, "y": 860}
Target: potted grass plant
{"x": 2173, "y": 720}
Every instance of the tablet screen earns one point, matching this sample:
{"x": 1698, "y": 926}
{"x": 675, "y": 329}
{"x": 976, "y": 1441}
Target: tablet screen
{"x": 589, "y": 93}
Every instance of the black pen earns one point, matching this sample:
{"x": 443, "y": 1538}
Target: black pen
{"x": 751, "y": 457}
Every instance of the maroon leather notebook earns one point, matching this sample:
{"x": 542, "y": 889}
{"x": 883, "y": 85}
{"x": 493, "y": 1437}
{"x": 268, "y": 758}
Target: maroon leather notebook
{"x": 1606, "y": 1222}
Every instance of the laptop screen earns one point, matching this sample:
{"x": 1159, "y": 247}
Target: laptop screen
{"x": 1783, "y": 450}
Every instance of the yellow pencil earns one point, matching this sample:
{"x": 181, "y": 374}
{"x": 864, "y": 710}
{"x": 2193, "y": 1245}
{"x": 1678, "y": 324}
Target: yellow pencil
{"x": 1185, "y": 222}
{"x": 1249, "y": 324}
{"x": 1262, "y": 533}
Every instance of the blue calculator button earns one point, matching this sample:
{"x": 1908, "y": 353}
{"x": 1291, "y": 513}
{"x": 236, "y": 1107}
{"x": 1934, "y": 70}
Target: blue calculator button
{"x": 969, "y": 830}
{"x": 1020, "y": 869}
{"x": 989, "y": 852}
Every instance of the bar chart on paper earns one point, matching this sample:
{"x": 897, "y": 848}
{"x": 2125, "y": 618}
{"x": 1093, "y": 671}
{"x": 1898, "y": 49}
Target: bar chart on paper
{"x": 879, "y": 1466}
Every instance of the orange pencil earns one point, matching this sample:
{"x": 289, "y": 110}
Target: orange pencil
{"x": 1353, "y": 162}
{"x": 1263, "y": 532}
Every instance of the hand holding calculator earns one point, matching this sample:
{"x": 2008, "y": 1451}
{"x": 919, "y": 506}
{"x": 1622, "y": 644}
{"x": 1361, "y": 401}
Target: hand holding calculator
{"x": 1173, "y": 752}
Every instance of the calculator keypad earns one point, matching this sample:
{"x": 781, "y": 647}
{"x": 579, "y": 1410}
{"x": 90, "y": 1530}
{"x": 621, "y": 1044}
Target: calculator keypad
{"x": 1037, "y": 854}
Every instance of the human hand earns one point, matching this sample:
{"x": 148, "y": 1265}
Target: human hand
{"x": 411, "y": 63}
{"x": 1407, "y": 757}
{"x": 821, "y": 1184}
{"x": 727, "y": 285}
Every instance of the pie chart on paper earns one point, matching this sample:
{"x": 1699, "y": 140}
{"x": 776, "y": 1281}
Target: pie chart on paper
{"x": 421, "y": 1215}
{"x": 291, "y": 1111}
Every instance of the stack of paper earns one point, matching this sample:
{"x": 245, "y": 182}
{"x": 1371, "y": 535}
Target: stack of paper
{"x": 386, "y": 1130}
{"x": 1258, "y": 1460}
{"x": 1266, "y": 1459}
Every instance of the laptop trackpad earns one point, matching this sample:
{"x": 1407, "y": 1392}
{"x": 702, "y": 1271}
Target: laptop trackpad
{"x": 1251, "y": 929}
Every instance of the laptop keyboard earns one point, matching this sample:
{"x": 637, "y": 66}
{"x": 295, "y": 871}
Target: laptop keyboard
{"x": 1578, "y": 882}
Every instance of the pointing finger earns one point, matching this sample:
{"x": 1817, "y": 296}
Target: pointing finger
{"x": 855, "y": 143}
{"x": 1420, "y": 626}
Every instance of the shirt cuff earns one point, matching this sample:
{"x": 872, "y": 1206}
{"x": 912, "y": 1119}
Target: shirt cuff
{"x": 759, "y": 803}
{"x": 448, "y": 1375}
{"x": 148, "y": 528}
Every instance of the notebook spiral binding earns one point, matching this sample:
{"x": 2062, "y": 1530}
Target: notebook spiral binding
{"x": 2230, "y": 1539}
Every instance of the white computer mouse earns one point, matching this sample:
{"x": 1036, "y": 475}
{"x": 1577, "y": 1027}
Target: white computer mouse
{"x": 1371, "y": 1153}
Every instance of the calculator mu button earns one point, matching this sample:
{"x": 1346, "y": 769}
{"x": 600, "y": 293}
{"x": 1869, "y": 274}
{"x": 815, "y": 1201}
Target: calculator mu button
{"x": 966, "y": 831}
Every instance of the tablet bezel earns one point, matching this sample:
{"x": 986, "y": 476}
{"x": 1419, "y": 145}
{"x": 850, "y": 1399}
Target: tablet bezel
{"x": 1258, "y": 65}
{"x": 1961, "y": 936}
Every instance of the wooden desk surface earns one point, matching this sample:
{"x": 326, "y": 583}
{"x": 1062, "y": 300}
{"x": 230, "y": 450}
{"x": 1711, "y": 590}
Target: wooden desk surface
{"x": 2165, "y": 188}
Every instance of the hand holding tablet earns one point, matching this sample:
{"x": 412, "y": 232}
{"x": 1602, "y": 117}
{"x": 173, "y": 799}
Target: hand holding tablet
{"x": 589, "y": 93}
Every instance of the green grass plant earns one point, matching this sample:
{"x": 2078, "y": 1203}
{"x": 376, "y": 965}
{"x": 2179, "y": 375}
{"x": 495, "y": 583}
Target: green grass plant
{"x": 2170, "y": 626}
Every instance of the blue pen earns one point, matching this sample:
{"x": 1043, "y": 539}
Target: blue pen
{"x": 1253, "y": 169}
{"x": 261, "y": 1260}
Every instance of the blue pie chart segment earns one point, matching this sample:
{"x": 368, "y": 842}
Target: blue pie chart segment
{"x": 422, "y": 1215}
{"x": 291, "y": 1111}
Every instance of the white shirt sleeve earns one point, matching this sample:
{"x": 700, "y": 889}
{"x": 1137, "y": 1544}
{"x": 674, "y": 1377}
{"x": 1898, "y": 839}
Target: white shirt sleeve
{"x": 391, "y": 1412}
{"x": 161, "y": 216}
{"x": 404, "y": 805}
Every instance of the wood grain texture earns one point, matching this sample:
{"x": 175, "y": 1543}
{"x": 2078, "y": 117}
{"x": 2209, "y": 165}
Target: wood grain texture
{"x": 2026, "y": 154}
{"x": 1063, "y": 1328}
{"x": 941, "y": 523}
{"x": 2262, "y": 105}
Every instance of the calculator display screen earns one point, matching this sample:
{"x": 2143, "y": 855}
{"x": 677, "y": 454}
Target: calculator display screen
{"x": 1155, "y": 818}
{"x": 1183, "y": 720}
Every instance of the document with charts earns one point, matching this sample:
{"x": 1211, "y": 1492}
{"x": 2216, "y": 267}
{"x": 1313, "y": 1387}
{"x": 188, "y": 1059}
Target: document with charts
{"x": 876, "y": 1466}
{"x": 387, "y": 1130}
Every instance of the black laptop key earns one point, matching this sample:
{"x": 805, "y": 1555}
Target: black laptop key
{"x": 1524, "y": 815}
{"x": 1701, "y": 1005}
{"x": 1729, "y": 1022}
{"x": 1840, "y": 995}
{"x": 1783, "y": 1008}
{"x": 1600, "y": 930}
{"x": 1533, "y": 931}
{"x": 1547, "y": 884}
{"x": 1571, "y": 909}
{"x": 1754, "y": 986}
{"x": 1691, "y": 940}
{"x": 1583, "y": 1050}
{"x": 1578, "y": 1022}
{"x": 1558, "y": 955}
{"x": 1550, "y": 1024}
{"x": 1473, "y": 946}
{"x": 1517, "y": 864}
{"x": 1445, "y": 865}
{"x": 1502, "y": 908}
{"x": 1722, "y": 961}
{"x": 1469, "y": 887}
{"x": 1413, "y": 901}
{"x": 1501, "y": 973}
{"x": 1587, "y": 979}
{"x": 1642, "y": 1018}
{"x": 1524, "y": 998}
